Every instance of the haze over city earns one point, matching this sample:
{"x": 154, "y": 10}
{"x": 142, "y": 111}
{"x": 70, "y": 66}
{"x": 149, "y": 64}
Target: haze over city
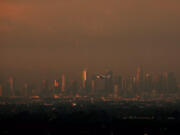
{"x": 46, "y": 38}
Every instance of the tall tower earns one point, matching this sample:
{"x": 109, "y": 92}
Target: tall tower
{"x": 0, "y": 90}
{"x": 172, "y": 82}
{"x": 109, "y": 82}
{"x": 139, "y": 77}
{"x": 92, "y": 86}
{"x": 27, "y": 90}
{"x": 56, "y": 87}
{"x": 115, "y": 94}
{"x": 139, "y": 74}
{"x": 148, "y": 85}
{"x": 11, "y": 86}
{"x": 45, "y": 88}
{"x": 63, "y": 83}
{"x": 56, "y": 84}
{"x": 84, "y": 79}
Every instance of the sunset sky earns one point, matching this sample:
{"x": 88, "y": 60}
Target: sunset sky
{"x": 55, "y": 36}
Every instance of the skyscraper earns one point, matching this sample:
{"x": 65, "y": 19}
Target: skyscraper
{"x": 27, "y": 90}
{"x": 84, "y": 79}
{"x": 119, "y": 81}
{"x": 139, "y": 78}
{"x": 148, "y": 85}
{"x": 63, "y": 83}
{"x": 11, "y": 86}
{"x": 56, "y": 87}
{"x": 109, "y": 82}
{"x": 1, "y": 93}
{"x": 172, "y": 83}
{"x": 100, "y": 86}
{"x": 165, "y": 81}
{"x": 56, "y": 83}
{"x": 45, "y": 90}
{"x": 92, "y": 85}
{"x": 74, "y": 87}
{"x": 115, "y": 94}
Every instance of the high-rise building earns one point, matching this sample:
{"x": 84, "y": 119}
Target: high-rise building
{"x": 67, "y": 85}
{"x": 128, "y": 86}
{"x": 124, "y": 84}
{"x": 27, "y": 91}
{"x": 130, "y": 83}
{"x": 92, "y": 85}
{"x": 84, "y": 79}
{"x": 148, "y": 85}
{"x": 63, "y": 83}
{"x": 115, "y": 94}
{"x": 56, "y": 83}
{"x": 139, "y": 77}
{"x": 155, "y": 82}
{"x": 165, "y": 81}
{"x": 109, "y": 82}
{"x": 139, "y": 74}
{"x": 56, "y": 87}
{"x": 45, "y": 89}
{"x": 1, "y": 90}
{"x": 119, "y": 82}
{"x": 11, "y": 87}
{"x": 172, "y": 82}
{"x": 100, "y": 87}
{"x": 73, "y": 87}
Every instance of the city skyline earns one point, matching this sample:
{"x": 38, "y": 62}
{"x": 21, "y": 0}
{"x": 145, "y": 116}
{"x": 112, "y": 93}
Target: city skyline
{"x": 30, "y": 75}
{"x": 97, "y": 84}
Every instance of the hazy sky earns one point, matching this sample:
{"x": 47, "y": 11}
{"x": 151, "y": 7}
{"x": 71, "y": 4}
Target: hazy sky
{"x": 55, "y": 36}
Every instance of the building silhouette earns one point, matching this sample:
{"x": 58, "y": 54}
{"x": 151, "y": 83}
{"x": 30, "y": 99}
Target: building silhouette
{"x": 84, "y": 79}
{"x": 63, "y": 83}
{"x": 1, "y": 90}
{"x": 10, "y": 87}
{"x": 109, "y": 82}
{"x": 140, "y": 78}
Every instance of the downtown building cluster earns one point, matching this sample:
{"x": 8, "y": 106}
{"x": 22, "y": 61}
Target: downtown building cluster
{"x": 98, "y": 85}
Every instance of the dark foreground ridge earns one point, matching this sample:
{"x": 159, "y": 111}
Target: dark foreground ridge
{"x": 87, "y": 118}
